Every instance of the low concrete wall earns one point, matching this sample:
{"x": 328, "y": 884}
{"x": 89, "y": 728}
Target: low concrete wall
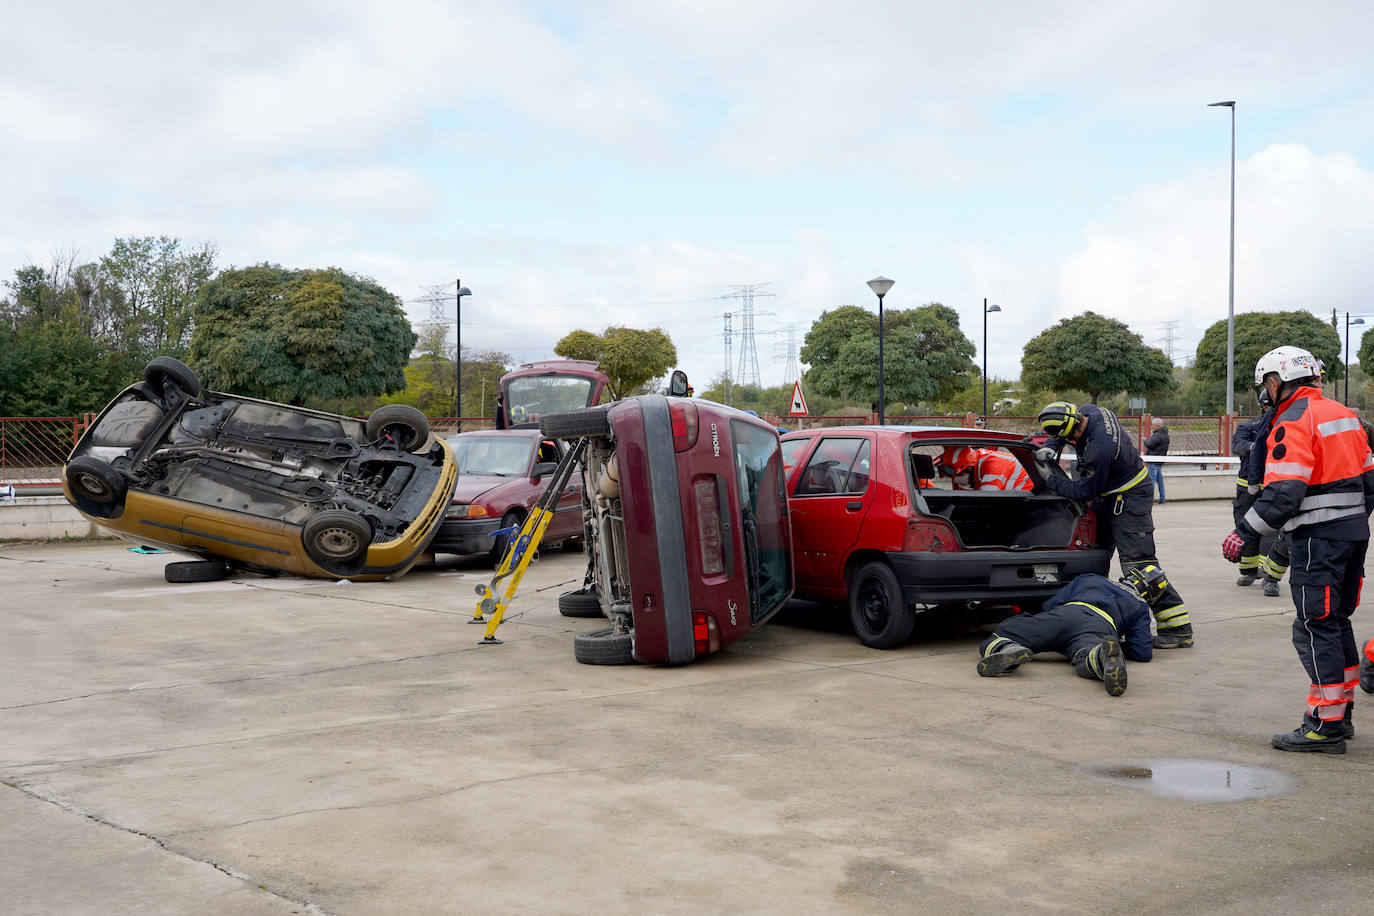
{"x": 1181, "y": 483}
{"x": 45, "y": 518}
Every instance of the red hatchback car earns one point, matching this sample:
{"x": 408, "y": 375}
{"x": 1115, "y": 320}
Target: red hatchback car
{"x": 500, "y": 475}
{"x": 873, "y": 523}
{"x": 688, "y": 542}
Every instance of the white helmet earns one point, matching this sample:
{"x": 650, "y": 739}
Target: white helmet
{"x": 1289, "y": 363}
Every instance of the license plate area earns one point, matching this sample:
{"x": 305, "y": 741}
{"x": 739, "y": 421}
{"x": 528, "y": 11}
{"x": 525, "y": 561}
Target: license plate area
{"x": 1022, "y": 574}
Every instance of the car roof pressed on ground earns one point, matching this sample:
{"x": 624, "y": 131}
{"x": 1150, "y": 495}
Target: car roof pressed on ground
{"x": 244, "y": 483}
{"x": 874, "y": 524}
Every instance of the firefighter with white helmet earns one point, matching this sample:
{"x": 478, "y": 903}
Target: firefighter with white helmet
{"x": 1112, "y": 476}
{"x": 1318, "y": 486}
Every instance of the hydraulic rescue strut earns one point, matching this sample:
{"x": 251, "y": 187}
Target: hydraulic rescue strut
{"x": 523, "y": 546}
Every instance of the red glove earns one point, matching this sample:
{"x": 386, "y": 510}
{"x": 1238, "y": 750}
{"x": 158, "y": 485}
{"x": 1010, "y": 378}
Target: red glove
{"x": 1232, "y": 547}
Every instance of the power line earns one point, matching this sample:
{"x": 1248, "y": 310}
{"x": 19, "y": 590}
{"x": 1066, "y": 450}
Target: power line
{"x": 748, "y": 351}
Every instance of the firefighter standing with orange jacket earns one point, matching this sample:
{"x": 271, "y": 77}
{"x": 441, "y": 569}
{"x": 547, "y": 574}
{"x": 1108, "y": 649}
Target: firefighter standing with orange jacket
{"x": 1319, "y": 487}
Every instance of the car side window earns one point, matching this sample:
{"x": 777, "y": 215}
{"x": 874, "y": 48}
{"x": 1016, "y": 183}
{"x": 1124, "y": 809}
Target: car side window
{"x": 548, "y": 451}
{"x": 835, "y": 468}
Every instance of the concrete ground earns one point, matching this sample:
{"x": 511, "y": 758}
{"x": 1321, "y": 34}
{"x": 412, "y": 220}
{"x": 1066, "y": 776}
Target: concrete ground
{"x": 289, "y": 746}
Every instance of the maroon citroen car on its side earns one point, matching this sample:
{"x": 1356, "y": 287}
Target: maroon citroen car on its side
{"x": 689, "y": 546}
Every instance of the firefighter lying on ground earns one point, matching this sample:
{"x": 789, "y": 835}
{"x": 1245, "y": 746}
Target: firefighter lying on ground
{"x": 1112, "y": 477}
{"x": 983, "y": 469}
{"x": 1096, "y": 623}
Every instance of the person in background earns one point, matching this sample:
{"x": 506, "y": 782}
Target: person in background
{"x": 1268, "y": 556}
{"x": 500, "y": 411}
{"x": 1157, "y": 444}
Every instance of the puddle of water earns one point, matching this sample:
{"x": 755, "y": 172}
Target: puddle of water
{"x": 1194, "y": 780}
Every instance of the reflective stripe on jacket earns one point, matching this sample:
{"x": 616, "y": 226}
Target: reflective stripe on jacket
{"x": 1319, "y": 474}
{"x": 1000, "y": 471}
{"x": 1107, "y": 458}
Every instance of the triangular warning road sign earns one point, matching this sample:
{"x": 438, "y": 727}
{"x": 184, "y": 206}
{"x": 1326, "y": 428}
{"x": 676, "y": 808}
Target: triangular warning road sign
{"x": 798, "y": 401}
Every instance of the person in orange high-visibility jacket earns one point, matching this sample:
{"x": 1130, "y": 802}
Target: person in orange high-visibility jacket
{"x": 1319, "y": 487}
{"x": 986, "y": 469}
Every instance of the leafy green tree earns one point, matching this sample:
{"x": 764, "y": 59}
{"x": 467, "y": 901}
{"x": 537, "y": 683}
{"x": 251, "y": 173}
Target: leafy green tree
{"x": 299, "y": 336}
{"x": 152, "y": 284}
{"x": 1097, "y": 355}
{"x": 631, "y": 358}
{"x": 926, "y": 357}
{"x": 1256, "y": 334}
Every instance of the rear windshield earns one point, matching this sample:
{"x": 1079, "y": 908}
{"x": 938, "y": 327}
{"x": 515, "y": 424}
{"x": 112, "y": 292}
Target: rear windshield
{"x": 530, "y": 398}
{"x": 502, "y": 456}
{"x": 763, "y": 499}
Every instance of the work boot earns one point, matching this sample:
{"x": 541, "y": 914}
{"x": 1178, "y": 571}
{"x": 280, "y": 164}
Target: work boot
{"x": 1366, "y": 675}
{"x": 1245, "y": 579}
{"x": 1303, "y": 738}
{"x": 1271, "y": 588}
{"x": 1113, "y": 666}
{"x": 1003, "y": 658}
{"x": 1179, "y": 637}
{"x": 1348, "y": 726}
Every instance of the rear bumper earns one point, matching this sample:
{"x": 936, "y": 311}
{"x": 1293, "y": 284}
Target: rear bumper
{"x": 992, "y": 575}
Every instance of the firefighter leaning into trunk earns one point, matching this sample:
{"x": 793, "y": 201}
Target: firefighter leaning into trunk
{"x": 1319, "y": 487}
{"x": 1093, "y": 621}
{"x": 1112, "y": 476}
{"x": 983, "y": 469}
{"x": 1267, "y": 557}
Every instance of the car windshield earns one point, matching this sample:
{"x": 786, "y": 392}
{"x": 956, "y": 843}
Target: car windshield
{"x": 763, "y": 501}
{"x": 501, "y": 456}
{"x": 531, "y": 397}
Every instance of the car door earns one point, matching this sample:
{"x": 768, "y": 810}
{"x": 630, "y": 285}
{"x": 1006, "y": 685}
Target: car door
{"x": 567, "y": 516}
{"x": 829, "y": 498}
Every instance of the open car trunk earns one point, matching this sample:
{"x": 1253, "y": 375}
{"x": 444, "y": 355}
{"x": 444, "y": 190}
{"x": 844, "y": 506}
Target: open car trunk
{"x": 1015, "y": 519}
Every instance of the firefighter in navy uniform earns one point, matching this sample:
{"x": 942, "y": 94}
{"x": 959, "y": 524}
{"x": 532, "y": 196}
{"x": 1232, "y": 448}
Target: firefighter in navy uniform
{"x": 1092, "y": 620}
{"x": 1112, "y": 476}
{"x": 1268, "y": 557}
{"x": 1319, "y": 487}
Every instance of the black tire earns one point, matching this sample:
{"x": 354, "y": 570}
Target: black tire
{"x": 881, "y": 617}
{"x": 501, "y": 543}
{"x": 406, "y": 426}
{"x": 164, "y": 369}
{"x": 603, "y": 646}
{"x": 337, "y": 540}
{"x": 196, "y": 571}
{"x": 574, "y": 424}
{"x": 95, "y": 481}
{"x": 579, "y": 604}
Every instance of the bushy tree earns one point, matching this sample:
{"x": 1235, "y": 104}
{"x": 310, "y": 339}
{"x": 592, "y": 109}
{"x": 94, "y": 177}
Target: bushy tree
{"x": 299, "y": 336}
{"x": 629, "y": 357}
{"x": 1097, "y": 355}
{"x": 1256, "y": 334}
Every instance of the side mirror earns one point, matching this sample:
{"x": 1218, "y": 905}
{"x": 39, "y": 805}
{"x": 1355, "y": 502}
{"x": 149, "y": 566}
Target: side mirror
{"x": 544, "y": 469}
{"x": 677, "y": 384}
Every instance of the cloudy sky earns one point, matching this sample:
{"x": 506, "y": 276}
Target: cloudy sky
{"x": 579, "y": 164}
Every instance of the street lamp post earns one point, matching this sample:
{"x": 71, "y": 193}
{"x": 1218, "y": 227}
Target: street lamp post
{"x": 986, "y": 308}
{"x": 458, "y": 355}
{"x": 1346, "y": 399}
{"x": 880, "y": 285}
{"x": 1231, "y": 290}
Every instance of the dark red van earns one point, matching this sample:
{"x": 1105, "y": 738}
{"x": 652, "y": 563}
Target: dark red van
{"x": 688, "y": 542}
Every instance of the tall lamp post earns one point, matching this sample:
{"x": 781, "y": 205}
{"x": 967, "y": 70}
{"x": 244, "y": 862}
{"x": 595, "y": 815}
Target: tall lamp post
{"x": 1231, "y": 292}
{"x": 986, "y": 308}
{"x": 458, "y": 355}
{"x": 1346, "y": 399}
{"x": 880, "y": 285}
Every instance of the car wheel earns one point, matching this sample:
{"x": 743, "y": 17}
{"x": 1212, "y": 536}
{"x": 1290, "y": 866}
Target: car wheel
{"x": 96, "y": 481}
{"x": 603, "y": 646}
{"x": 405, "y": 425}
{"x": 501, "y": 543}
{"x": 337, "y": 539}
{"x": 574, "y": 424}
{"x": 196, "y": 571}
{"x": 579, "y": 604}
{"x": 881, "y": 617}
{"x": 164, "y": 369}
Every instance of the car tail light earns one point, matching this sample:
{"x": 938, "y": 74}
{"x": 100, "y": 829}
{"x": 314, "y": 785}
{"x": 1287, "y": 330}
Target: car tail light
{"x": 706, "y": 498}
{"x": 930, "y": 535}
{"x": 1085, "y": 532}
{"x": 705, "y": 632}
{"x": 684, "y": 418}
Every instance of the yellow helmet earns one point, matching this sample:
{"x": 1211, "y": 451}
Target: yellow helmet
{"x": 1059, "y": 418}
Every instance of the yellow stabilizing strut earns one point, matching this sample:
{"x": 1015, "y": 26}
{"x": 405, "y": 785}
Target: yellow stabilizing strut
{"x": 522, "y": 548}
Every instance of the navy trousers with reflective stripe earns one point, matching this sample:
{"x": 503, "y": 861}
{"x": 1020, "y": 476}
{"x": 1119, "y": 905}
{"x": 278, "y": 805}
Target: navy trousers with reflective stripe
{"x": 1131, "y": 532}
{"x": 1326, "y": 577}
{"x": 1066, "y": 628}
